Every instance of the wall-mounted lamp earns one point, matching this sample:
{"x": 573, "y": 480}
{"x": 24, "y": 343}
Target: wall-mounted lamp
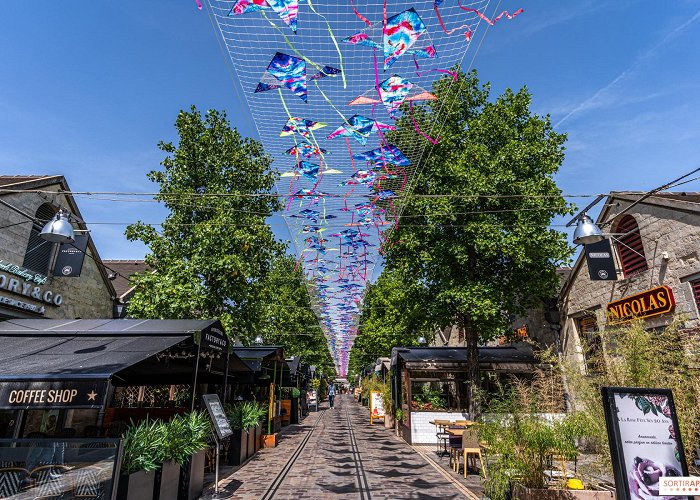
{"x": 58, "y": 229}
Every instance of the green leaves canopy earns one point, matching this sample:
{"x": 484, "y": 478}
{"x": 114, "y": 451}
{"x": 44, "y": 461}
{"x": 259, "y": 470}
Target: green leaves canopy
{"x": 214, "y": 249}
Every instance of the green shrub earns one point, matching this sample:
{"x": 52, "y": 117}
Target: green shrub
{"x": 142, "y": 446}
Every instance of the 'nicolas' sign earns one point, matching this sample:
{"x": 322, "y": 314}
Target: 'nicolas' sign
{"x": 645, "y": 304}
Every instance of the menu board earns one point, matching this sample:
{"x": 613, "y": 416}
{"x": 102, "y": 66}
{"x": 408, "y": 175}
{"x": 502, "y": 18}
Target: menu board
{"x": 218, "y": 415}
{"x": 645, "y": 441}
{"x": 376, "y": 406}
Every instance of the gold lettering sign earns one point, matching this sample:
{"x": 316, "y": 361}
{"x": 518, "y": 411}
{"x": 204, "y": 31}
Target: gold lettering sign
{"x": 645, "y": 304}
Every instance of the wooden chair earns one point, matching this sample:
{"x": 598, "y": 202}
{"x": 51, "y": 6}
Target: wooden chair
{"x": 471, "y": 447}
{"x": 441, "y": 436}
{"x": 455, "y": 446}
{"x": 48, "y": 482}
{"x": 12, "y": 479}
{"x": 88, "y": 483}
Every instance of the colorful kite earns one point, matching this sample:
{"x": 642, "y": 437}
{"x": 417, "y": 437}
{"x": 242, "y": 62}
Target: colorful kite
{"x": 393, "y": 92}
{"x": 301, "y": 126}
{"x": 383, "y": 156}
{"x": 290, "y": 72}
{"x": 286, "y": 9}
{"x": 306, "y": 149}
{"x": 404, "y": 33}
{"x": 359, "y": 128}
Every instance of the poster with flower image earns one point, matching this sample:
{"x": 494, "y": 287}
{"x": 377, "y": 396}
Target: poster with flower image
{"x": 644, "y": 441}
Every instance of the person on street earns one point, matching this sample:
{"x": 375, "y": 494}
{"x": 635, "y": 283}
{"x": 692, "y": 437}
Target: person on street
{"x": 331, "y": 394}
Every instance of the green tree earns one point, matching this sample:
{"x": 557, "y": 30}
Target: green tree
{"x": 474, "y": 234}
{"x": 290, "y": 320}
{"x": 392, "y": 315}
{"x": 214, "y": 249}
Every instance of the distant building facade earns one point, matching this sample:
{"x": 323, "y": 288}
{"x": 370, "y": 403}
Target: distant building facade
{"x": 31, "y": 285}
{"x": 656, "y": 250}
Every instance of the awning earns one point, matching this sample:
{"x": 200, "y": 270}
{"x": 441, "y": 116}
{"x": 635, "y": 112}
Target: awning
{"x": 256, "y": 357}
{"x": 455, "y": 358}
{"x": 44, "y": 354}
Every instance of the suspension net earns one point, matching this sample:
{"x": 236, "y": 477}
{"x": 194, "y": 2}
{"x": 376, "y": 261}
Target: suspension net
{"x": 324, "y": 80}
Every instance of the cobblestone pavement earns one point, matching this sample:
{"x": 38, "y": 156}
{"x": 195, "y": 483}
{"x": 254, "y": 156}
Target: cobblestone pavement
{"x": 336, "y": 454}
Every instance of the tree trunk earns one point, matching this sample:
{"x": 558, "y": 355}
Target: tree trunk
{"x": 471, "y": 338}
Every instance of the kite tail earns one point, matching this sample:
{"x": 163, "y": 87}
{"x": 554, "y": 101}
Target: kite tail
{"x": 289, "y": 44}
{"x": 376, "y": 76}
{"x": 453, "y": 74}
{"x": 347, "y": 142}
{"x": 199, "y": 4}
{"x": 493, "y": 21}
{"x": 468, "y": 34}
{"x": 415, "y": 125}
{"x": 335, "y": 42}
{"x": 325, "y": 97}
{"x": 360, "y": 16}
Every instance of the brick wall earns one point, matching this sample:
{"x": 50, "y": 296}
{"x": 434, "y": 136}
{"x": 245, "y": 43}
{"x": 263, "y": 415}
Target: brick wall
{"x": 423, "y": 432}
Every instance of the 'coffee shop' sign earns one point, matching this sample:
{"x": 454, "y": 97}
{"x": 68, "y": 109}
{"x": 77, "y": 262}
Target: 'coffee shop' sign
{"x": 645, "y": 304}
{"x": 25, "y": 283}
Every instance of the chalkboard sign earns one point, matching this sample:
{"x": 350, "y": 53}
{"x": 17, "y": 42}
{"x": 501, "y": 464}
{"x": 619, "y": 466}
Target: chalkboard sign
{"x": 218, "y": 415}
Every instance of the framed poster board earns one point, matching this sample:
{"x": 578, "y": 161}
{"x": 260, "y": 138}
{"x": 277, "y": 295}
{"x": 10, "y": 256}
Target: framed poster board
{"x": 218, "y": 415}
{"x": 645, "y": 440}
{"x": 376, "y": 406}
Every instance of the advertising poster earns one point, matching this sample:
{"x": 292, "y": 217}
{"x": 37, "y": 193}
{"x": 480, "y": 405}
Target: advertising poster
{"x": 376, "y": 406}
{"x": 645, "y": 441}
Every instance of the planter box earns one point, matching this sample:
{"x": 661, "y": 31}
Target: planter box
{"x": 192, "y": 477}
{"x": 167, "y": 480}
{"x": 522, "y": 493}
{"x": 136, "y": 486}
{"x": 268, "y": 440}
{"x": 249, "y": 435}
{"x": 388, "y": 422}
{"x": 237, "y": 448}
{"x": 294, "y": 417}
{"x": 258, "y": 433}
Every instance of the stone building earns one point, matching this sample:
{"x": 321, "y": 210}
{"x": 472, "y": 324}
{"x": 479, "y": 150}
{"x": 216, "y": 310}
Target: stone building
{"x": 34, "y": 282}
{"x": 655, "y": 245}
{"x": 121, "y": 271}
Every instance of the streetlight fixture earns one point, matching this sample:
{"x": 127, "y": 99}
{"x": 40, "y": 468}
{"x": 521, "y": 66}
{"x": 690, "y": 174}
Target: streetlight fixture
{"x": 587, "y": 231}
{"x": 422, "y": 341}
{"x": 258, "y": 340}
{"x": 58, "y": 229}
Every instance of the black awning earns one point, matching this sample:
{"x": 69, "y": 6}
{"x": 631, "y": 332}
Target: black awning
{"x": 139, "y": 352}
{"x": 457, "y": 356}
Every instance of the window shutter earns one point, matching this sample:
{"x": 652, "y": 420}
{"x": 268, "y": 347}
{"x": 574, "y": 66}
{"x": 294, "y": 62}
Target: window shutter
{"x": 630, "y": 247}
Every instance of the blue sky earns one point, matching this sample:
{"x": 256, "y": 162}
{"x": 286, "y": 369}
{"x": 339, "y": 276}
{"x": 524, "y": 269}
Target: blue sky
{"x": 87, "y": 89}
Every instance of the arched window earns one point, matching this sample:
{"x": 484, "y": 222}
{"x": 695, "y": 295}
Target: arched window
{"x": 630, "y": 247}
{"x": 39, "y": 251}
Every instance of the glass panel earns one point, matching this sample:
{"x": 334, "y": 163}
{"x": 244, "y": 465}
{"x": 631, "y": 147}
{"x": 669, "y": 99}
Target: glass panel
{"x": 68, "y": 469}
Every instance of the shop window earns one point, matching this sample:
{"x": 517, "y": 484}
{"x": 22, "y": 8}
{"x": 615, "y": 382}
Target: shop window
{"x": 39, "y": 251}
{"x": 629, "y": 247}
{"x": 593, "y": 352}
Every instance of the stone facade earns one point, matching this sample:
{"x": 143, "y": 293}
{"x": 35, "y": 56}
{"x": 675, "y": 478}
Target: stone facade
{"x": 88, "y": 296}
{"x": 669, "y": 226}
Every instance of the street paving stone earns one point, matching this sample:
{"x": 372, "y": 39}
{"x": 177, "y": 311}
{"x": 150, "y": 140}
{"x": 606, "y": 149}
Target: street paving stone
{"x": 344, "y": 458}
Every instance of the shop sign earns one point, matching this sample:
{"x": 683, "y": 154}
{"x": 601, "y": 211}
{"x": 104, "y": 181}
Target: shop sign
{"x": 601, "y": 264}
{"x": 518, "y": 334}
{"x": 217, "y": 415}
{"x": 376, "y": 406}
{"x": 645, "y": 440}
{"x": 69, "y": 262}
{"x": 213, "y": 338}
{"x": 23, "y": 282}
{"x": 35, "y": 394}
{"x": 645, "y": 304}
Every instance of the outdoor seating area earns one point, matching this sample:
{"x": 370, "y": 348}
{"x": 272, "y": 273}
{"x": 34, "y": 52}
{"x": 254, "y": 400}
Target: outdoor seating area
{"x": 459, "y": 441}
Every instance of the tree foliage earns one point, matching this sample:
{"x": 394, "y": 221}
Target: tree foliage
{"x": 392, "y": 315}
{"x": 290, "y": 320}
{"x": 213, "y": 252}
{"x": 474, "y": 233}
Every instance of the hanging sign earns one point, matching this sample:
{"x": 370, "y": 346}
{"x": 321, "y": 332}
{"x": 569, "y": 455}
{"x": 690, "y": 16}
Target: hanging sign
{"x": 217, "y": 415}
{"x": 69, "y": 262}
{"x": 645, "y": 441}
{"x": 37, "y": 394}
{"x": 645, "y": 304}
{"x": 376, "y": 406}
{"x": 601, "y": 264}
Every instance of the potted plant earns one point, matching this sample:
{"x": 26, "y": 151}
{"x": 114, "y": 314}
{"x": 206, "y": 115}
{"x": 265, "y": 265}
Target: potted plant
{"x": 196, "y": 430}
{"x": 167, "y": 476}
{"x": 238, "y": 441}
{"x": 140, "y": 454}
{"x": 294, "y": 417}
{"x": 251, "y": 413}
{"x": 399, "y": 416}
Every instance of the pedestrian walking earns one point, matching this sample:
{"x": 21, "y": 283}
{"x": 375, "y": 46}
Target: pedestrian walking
{"x": 331, "y": 394}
